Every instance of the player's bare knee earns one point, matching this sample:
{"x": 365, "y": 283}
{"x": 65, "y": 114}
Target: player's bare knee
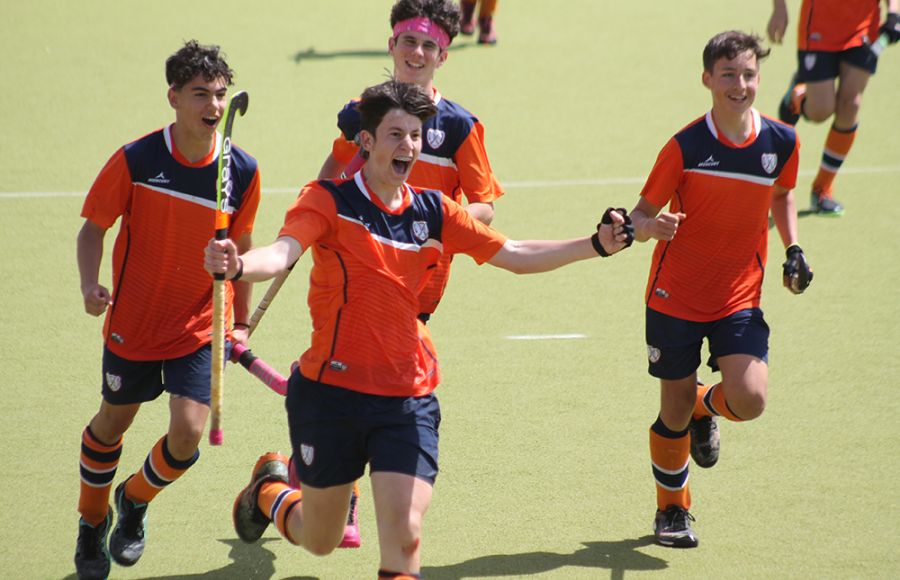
{"x": 319, "y": 546}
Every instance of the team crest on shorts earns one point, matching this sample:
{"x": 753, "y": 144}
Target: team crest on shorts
{"x": 420, "y": 231}
{"x": 769, "y": 161}
{"x": 435, "y": 138}
{"x": 307, "y": 453}
{"x": 809, "y": 61}
{"x": 114, "y": 382}
{"x": 653, "y": 354}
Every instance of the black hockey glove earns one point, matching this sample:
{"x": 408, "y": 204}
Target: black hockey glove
{"x": 797, "y": 273}
{"x": 891, "y": 27}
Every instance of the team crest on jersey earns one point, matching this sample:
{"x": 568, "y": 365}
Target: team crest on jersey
{"x": 420, "y": 231}
{"x": 435, "y": 138}
{"x": 114, "y": 382}
{"x": 769, "y": 161}
{"x": 809, "y": 61}
{"x": 307, "y": 453}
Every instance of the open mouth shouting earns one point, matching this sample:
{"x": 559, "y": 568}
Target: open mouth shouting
{"x": 402, "y": 164}
{"x": 211, "y": 121}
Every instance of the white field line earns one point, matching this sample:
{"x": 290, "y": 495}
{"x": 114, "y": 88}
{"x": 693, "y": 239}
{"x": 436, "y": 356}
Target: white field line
{"x": 597, "y": 182}
{"x": 545, "y": 336}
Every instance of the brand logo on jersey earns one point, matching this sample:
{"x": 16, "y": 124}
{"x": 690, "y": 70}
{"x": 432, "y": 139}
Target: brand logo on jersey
{"x": 117, "y": 338}
{"x": 307, "y": 453}
{"x": 161, "y": 178}
{"x": 661, "y": 293}
{"x": 653, "y": 354}
{"x": 710, "y": 162}
{"x": 114, "y": 382}
{"x": 337, "y": 365}
{"x": 769, "y": 161}
{"x": 420, "y": 231}
{"x": 809, "y": 61}
{"x": 435, "y": 138}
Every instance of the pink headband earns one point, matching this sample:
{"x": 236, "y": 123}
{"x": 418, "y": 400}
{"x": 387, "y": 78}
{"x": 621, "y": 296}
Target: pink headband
{"x": 425, "y": 25}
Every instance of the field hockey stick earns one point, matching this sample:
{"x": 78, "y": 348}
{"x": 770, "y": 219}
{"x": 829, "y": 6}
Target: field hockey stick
{"x": 224, "y": 185}
{"x": 263, "y": 305}
{"x": 259, "y": 368}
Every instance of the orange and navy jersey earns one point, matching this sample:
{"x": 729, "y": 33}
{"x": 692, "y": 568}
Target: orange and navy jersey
{"x": 837, "y": 25}
{"x": 369, "y": 266}
{"x": 453, "y": 161}
{"x": 162, "y": 297}
{"x": 714, "y": 266}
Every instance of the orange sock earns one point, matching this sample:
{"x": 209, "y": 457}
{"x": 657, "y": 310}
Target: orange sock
{"x": 670, "y": 453}
{"x": 98, "y": 469}
{"x": 711, "y": 402}
{"x": 277, "y": 500}
{"x": 837, "y": 146}
{"x": 487, "y": 8}
{"x": 159, "y": 470}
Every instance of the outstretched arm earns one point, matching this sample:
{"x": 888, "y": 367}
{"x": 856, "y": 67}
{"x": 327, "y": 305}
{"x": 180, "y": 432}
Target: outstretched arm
{"x": 263, "y": 263}
{"x": 534, "y": 256}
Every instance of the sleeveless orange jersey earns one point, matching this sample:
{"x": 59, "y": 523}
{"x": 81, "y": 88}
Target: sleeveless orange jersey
{"x": 714, "y": 266}
{"x": 369, "y": 266}
{"x": 453, "y": 161}
{"x": 836, "y": 25}
{"x": 162, "y": 297}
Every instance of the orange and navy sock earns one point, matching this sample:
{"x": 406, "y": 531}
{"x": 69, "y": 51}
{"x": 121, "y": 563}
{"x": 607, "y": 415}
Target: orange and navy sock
{"x": 98, "y": 469}
{"x": 159, "y": 470}
{"x": 670, "y": 453}
{"x": 711, "y": 403}
{"x": 277, "y": 500}
{"x": 837, "y": 146}
{"x": 388, "y": 575}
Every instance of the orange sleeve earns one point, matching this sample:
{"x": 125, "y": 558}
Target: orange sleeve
{"x": 343, "y": 150}
{"x": 463, "y": 234}
{"x": 242, "y": 220}
{"x": 788, "y": 177}
{"x": 310, "y": 217}
{"x": 665, "y": 176}
{"x": 475, "y": 174}
{"x": 111, "y": 192}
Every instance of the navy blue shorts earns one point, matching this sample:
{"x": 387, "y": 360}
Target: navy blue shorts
{"x": 673, "y": 344}
{"x": 336, "y": 431}
{"x": 128, "y": 381}
{"x": 813, "y": 66}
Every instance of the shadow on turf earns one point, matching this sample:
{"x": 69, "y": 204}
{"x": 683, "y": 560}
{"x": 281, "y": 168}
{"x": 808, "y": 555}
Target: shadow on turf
{"x": 250, "y": 561}
{"x": 617, "y": 557}
{"x": 312, "y": 54}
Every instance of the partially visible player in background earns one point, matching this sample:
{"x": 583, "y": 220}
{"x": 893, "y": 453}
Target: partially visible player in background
{"x": 487, "y": 34}
{"x": 453, "y": 161}
{"x": 720, "y": 177}
{"x": 838, "y": 43}
{"x": 159, "y": 312}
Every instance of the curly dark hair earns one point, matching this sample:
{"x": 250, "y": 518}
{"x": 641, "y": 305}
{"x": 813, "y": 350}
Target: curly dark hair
{"x": 193, "y": 59}
{"x": 444, "y": 13}
{"x": 378, "y": 100}
{"x": 729, "y": 44}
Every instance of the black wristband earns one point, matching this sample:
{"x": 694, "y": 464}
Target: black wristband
{"x": 240, "y": 270}
{"x": 244, "y": 324}
{"x": 598, "y": 247}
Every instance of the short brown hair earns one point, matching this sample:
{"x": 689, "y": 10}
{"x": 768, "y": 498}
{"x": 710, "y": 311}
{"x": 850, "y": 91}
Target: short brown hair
{"x": 730, "y": 44}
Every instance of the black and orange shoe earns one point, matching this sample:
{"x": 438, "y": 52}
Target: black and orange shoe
{"x": 91, "y": 555}
{"x": 825, "y": 204}
{"x": 705, "y": 441}
{"x": 249, "y": 521}
{"x": 790, "y": 107}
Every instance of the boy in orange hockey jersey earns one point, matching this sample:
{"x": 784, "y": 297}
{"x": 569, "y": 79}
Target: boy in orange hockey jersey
{"x": 363, "y": 392}
{"x": 837, "y": 52}
{"x": 720, "y": 176}
{"x": 159, "y": 312}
